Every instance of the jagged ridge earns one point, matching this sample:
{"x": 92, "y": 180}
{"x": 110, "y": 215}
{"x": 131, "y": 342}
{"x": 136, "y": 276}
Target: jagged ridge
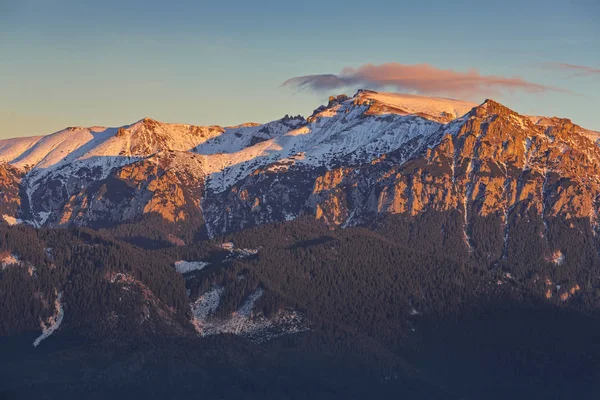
{"x": 374, "y": 153}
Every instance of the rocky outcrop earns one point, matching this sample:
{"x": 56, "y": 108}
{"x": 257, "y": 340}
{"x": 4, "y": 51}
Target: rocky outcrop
{"x": 10, "y": 199}
{"x": 497, "y": 161}
{"x": 168, "y": 184}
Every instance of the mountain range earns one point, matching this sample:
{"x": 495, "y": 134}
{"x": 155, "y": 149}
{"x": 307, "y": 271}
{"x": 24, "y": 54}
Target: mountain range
{"x": 386, "y": 244}
{"x": 351, "y": 160}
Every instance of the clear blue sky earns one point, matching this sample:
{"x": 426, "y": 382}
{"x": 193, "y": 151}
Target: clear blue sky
{"x": 74, "y": 62}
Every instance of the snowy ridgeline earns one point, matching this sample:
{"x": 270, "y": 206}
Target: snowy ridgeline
{"x": 53, "y": 323}
{"x": 320, "y": 142}
{"x": 243, "y": 322}
{"x": 183, "y": 267}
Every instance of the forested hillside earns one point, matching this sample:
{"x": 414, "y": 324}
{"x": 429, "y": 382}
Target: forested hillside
{"x": 402, "y": 305}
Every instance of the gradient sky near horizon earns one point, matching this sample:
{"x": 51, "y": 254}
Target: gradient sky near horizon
{"x": 80, "y": 63}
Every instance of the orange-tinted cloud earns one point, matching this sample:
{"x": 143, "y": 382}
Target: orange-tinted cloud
{"x": 420, "y": 78}
{"x": 577, "y": 70}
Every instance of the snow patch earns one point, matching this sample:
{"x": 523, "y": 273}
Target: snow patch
{"x": 246, "y": 309}
{"x": 243, "y": 322}
{"x": 183, "y": 267}
{"x": 43, "y": 217}
{"x": 53, "y": 323}
{"x": 414, "y": 104}
{"x": 207, "y": 304}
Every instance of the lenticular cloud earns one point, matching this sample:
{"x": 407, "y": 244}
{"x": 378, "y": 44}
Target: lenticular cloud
{"x": 419, "y": 78}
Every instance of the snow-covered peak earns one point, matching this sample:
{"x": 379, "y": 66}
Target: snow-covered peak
{"x": 11, "y": 149}
{"x": 340, "y": 132}
{"x": 149, "y": 136}
{"x": 141, "y": 139}
{"x": 43, "y": 152}
{"x": 437, "y": 108}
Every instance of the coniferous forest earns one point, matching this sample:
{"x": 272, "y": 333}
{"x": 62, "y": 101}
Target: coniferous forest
{"x": 401, "y": 306}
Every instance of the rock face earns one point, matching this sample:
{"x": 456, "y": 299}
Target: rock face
{"x": 10, "y": 183}
{"x": 490, "y": 162}
{"x": 168, "y": 184}
{"x": 348, "y": 164}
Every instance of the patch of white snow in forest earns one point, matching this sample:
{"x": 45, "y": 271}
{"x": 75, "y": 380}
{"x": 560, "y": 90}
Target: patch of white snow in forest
{"x": 53, "y": 323}
{"x": 188, "y": 266}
